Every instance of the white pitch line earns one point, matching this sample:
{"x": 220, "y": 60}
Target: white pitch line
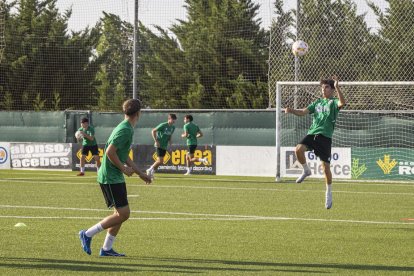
{"x": 99, "y": 218}
{"x": 211, "y": 187}
{"x": 265, "y": 189}
{"x": 206, "y": 216}
{"x": 339, "y": 182}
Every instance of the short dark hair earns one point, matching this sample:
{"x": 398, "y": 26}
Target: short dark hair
{"x": 131, "y": 106}
{"x": 172, "y": 116}
{"x": 189, "y": 117}
{"x": 329, "y": 82}
{"x": 84, "y": 120}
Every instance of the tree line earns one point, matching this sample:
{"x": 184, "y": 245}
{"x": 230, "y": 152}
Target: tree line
{"x": 218, "y": 57}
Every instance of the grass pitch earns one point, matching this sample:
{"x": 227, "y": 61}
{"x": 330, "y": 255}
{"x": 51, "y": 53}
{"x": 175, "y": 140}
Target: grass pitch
{"x": 204, "y": 224}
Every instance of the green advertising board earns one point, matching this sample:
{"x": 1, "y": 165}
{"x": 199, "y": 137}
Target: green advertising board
{"x": 383, "y": 163}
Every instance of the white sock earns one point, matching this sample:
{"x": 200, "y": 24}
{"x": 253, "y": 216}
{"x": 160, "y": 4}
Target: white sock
{"x": 305, "y": 167}
{"x": 151, "y": 168}
{"x": 109, "y": 241}
{"x": 94, "y": 230}
{"x": 82, "y": 169}
{"x": 329, "y": 188}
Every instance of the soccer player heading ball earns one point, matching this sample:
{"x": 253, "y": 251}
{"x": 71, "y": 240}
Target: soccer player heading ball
{"x": 319, "y": 138}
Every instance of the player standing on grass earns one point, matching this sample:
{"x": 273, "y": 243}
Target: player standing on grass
{"x": 191, "y": 133}
{"x": 88, "y": 145}
{"x": 115, "y": 164}
{"x": 162, "y": 137}
{"x": 319, "y": 138}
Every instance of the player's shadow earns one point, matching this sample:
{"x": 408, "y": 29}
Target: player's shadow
{"x": 185, "y": 265}
{"x": 136, "y": 264}
{"x": 288, "y": 267}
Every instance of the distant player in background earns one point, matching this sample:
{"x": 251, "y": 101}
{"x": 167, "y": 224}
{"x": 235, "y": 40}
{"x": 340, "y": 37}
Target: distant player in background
{"x": 162, "y": 137}
{"x": 116, "y": 163}
{"x": 319, "y": 138}
{"x": 191, "y": 133}
{"x": 88, "y": 145}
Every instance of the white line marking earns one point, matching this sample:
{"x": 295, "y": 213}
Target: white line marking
{"x": 208, "y": 187}
{"x": 259, "y": 181}
{"x": 265, "y": 189}
{"x": 206, "y": 216}
{"x": 99, "y": 218}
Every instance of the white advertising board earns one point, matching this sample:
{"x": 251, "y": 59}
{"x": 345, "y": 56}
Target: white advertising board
{"x": 245, "y": 161}
{"x": 340, "y": 163}
{"x": 4, "y": 156}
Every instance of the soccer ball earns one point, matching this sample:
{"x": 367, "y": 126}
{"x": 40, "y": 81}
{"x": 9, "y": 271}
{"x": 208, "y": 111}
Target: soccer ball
{"x": 300, "y": 48}
{"x": 78, "y": 135}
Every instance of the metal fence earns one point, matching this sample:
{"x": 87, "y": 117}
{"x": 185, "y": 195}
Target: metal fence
{"x": 76, "y": 54}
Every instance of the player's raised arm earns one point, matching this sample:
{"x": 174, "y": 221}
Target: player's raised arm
{"x": 297, "y": 112}
{"x": 341, "y": 97}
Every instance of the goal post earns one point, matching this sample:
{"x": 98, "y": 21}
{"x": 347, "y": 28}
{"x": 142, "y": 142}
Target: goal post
{"x": 374, "y": 132}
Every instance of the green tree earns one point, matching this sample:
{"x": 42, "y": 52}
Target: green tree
{"x": 165, "y": 75}
{"x": 394, "y": 40}
{"x": 339, "y": 40}
{"x": 114, "y": 56}
{"x": 42, "y": 59}
{"x": 202, "y": 64}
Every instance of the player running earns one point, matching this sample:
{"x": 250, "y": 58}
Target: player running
{"x": 162, "y": 137}
{"x": 191, "y": 133}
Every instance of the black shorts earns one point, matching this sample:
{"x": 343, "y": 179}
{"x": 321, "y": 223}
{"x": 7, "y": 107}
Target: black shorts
{"x": 115, "y": 195}
{"x": 161, "y": 152}
{"x": 93, "y": 149}
{"x": 192, "y": 148}
{"x": 320, "y": 144}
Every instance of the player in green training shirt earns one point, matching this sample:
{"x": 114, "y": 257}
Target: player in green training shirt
{"x": 88, "y": 145}
{"x": 191, "y": 133}
{"x": 162, "y": 137}
{"x": 116, "y": 163}
{"x": 319, "y": 138}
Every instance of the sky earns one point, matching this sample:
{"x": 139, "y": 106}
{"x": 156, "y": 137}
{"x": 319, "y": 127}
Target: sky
{"x": 165, "y": 12}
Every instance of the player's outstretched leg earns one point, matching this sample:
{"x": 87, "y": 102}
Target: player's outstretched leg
{"x": 110, "y": 253}
{"x": 300, "y": 155}
{"x": 328, "y": 179}
{"x": 85, "y": 242}
{"x": 305, "y": 174}
{"x": 328, "y": 198}
{"x": 150, "y": 172}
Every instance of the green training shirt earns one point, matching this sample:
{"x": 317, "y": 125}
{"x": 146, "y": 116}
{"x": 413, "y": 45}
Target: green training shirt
{"x": 91, "y": 132}
{"x": 121, "y": 138}
{"x": 192, "y": 130}
{"x": 164, "y": 132}
{"x": 325, "y": 111}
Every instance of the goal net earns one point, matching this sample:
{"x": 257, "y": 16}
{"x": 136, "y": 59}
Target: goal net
{"x": 373, "y": 137}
